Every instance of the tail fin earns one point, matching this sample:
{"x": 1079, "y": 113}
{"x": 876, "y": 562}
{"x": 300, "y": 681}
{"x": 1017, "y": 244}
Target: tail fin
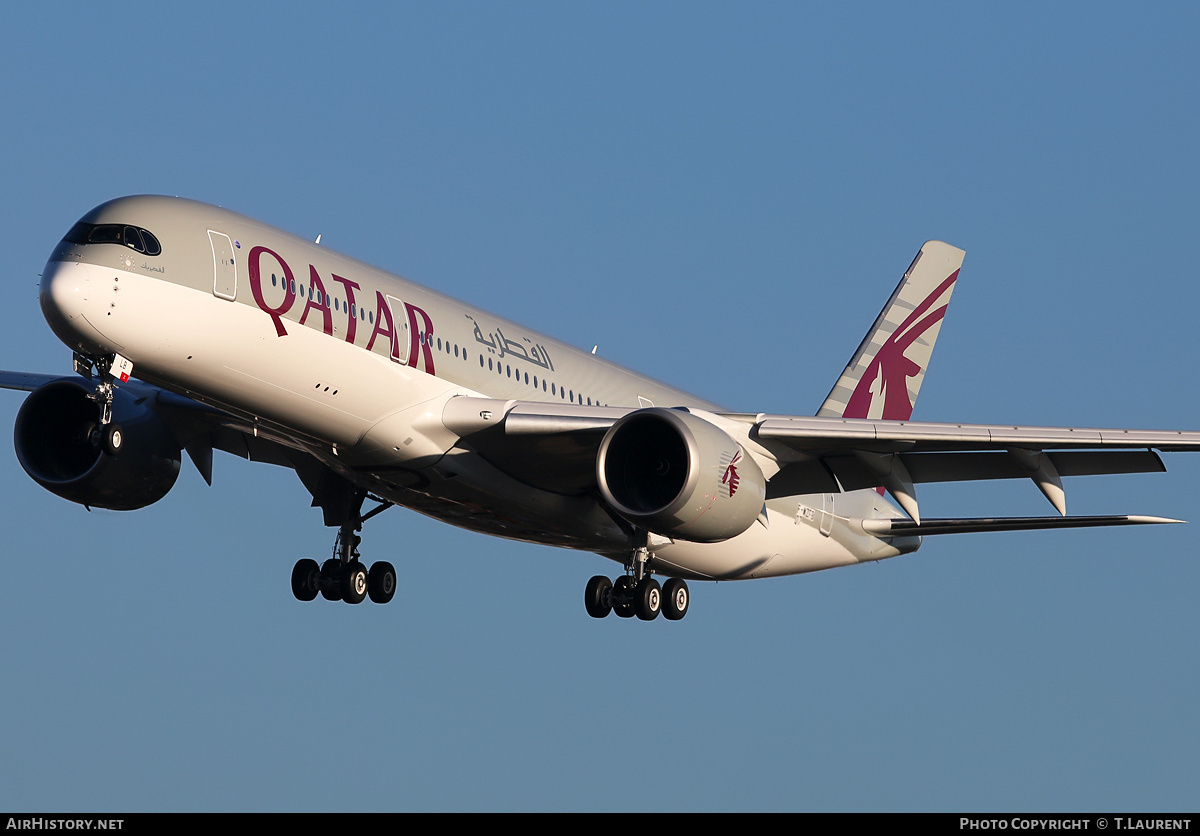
{"x": 884, "y": 375}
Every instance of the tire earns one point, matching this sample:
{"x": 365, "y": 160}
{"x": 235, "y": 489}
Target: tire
{"x": 306, "y": 576}
{"x": 381, "y": 582}
{"x": 622, "y": 597}
{"x": 112, "y": 438}
{"x": 354, "y": 583}
{"x": 597, "y": 597}
{"x": 676, "y": 599}
{"x": 649, "y": 599}
{"x": 90, "y": 435}
{"x": 331, "y": 579}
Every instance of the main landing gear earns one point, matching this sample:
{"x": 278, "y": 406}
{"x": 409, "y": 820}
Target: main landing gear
{"x": 637, "y": 594}
{"x": 344, "y": 577}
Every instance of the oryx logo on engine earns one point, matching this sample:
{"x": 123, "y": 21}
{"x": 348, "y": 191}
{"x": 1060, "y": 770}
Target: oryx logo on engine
{"x": 730, "y": 479}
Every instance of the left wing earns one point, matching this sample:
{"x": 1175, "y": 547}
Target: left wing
{"x": 555, "y": 446}
{"x": 861, "y": 453}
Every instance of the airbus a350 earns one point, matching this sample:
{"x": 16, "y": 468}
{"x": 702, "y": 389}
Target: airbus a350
{"x": 196, "y": 329}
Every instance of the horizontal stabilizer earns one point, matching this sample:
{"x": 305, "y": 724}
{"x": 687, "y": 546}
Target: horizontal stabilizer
{"x": 909, "y": 528}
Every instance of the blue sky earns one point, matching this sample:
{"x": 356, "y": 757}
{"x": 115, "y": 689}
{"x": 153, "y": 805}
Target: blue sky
{"x": 721, "y": 196}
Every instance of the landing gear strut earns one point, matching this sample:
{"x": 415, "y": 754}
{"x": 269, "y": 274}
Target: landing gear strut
{"x": 344, "y": 577}
{"x": 636, "y": 593}
{"x": 106, "y": 435}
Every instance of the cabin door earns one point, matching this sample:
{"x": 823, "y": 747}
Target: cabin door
{"x": 224, "y": 266}
{"x": 400, "y": 323}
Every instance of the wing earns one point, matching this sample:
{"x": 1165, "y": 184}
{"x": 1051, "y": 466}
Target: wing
{"x": 193, "y": 426}
{"x": 899, "y": 454}
{"x": 25, "y": 381}
{"x": 555, "y": 447}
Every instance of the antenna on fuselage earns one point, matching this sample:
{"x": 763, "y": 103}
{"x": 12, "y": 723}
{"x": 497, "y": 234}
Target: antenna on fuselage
{"x": 594, "y": 348}
{"x": 318, "y": 241}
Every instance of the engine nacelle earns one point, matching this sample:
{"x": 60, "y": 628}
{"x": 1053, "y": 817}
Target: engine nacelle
{"x": 54, "y": 437}
{"x": 680, "y": 476}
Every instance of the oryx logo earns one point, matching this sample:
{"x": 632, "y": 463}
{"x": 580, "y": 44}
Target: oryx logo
{"x": 731, "y": 478}
{"x": 882, "y": 392}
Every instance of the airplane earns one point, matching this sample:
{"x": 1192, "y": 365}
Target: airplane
{"x": 194, "y": 329}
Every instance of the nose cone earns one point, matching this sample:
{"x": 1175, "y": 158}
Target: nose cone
{"x": 67, "y": 292}
{"x": 63, "y": 292}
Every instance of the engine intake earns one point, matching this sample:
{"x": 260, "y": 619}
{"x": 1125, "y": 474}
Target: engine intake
{"x": 54, "y": 438}
{"x": 680, "y": 476}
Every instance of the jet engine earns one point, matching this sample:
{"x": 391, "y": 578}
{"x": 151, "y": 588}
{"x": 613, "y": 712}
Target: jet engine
{"x": 680, "y": 476}
{"x": 57, "y": 444}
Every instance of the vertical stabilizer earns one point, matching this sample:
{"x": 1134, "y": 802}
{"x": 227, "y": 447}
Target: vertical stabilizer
{"x": 884, "y": 375}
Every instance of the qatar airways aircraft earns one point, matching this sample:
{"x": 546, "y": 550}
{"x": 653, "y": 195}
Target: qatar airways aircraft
{"x": 194, "y": 328}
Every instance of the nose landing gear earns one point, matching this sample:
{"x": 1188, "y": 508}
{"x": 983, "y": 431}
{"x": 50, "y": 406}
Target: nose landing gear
{"x": 106, "y": 435}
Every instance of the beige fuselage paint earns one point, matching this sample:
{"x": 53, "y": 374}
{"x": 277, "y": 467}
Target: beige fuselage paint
{"x": 355, "y": 366}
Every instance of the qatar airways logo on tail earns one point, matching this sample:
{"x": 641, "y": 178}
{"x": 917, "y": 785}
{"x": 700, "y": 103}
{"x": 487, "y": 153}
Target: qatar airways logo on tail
{"x": 885, "y": 381}
{"x": 731, "y": 479}
{"x": 384, "y": 327}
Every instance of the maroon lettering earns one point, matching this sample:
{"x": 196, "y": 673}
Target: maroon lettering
{"x": 318, "y": 300}
{"x": 421, "y": 337}
{"x": 383, "y": 314}
{"x": 386, "y": 325}
{"x": 351, "y": 319}
{"x": 289, "y": 287}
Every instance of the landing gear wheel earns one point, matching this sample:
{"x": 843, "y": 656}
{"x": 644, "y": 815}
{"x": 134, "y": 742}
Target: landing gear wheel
{"x": 90, "y": 435}
{"x": 306, "y": 579}
{"x": 675, "y": 599}
{"x": 597, "y": 597}
{"x": 381, "y": 582}
{"x": 354, "y": 582}
{"x": 648, "y": 602}
{"x": 622, "y": 597}
{"x": 331, "y": 579}
{"x": 112, "y": 438}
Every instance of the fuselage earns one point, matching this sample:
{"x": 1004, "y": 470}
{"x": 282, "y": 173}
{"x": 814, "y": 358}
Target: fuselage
{"x": 354, "y": 366}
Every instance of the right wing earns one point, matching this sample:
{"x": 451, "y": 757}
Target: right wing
{"x": 25, "y": 381}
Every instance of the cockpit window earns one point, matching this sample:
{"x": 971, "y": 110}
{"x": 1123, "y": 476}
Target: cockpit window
{"x": 133, "y": 237}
